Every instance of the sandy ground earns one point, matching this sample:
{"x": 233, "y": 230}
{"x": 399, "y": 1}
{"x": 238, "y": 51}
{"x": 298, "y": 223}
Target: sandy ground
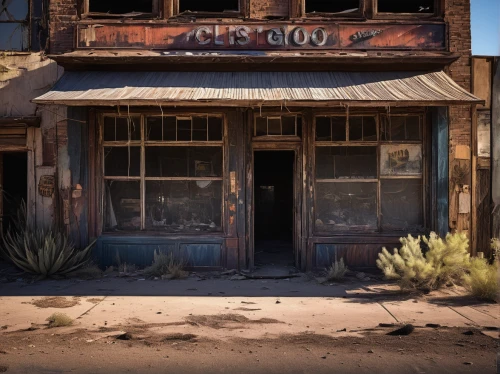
{"x": 215, "y": 325}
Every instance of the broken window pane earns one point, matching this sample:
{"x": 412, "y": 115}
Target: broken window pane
{"x": 161, "y": 128}
{"x": 200, "y": 125}
{"x": 209, "y": 6}
{"x": 215, "y": 128}
{"x": 329, "y": 6}
{"x": 14, "y": 10}
{"x": 122, "y": 161}
{"x": 346, "y": 162}
{"x": 121, "y": 6}
{"x": 401, "y": 128}
{"x": 13, "y": 37}
{"x": 261, "y": 126}
{"x": 123, "y": 205}
{"x": 402, "y": 204}
{"x": 345, "y": 206}
{"x": 122, "y": 128}
{"x": 406, "y": 6}
{"x": 183, "y": 161}
{"x": 330, "y": 129}
{"x": 288, "y": 125}
{"x": 184, "y": 206}
{"x": 362, "y": 128}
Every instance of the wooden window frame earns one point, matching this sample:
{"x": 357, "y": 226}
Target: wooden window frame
{"x": 277, "y": 138}
{"x": 173, "y": 7}
{"x": 299, "y": 10}
{"x": 26, "y": 23}
{"x": 379, "y": 178}
{"x": 438, "y": 12}
{"x": 158, "y": 9}
{"x": 142, "y": 143}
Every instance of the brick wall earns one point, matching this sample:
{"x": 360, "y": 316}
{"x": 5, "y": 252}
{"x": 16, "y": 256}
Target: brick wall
{"x": 457, "y": 15}
{"x": 266, "y": 8}
{"x": 63, "y": 14}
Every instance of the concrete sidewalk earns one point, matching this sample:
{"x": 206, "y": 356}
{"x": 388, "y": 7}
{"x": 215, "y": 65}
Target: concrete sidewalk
{"x": 288, "y": 306}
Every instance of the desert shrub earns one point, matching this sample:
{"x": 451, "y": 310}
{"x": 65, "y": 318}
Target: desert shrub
{"x": 445, "y": 261}
{"x": 337, "y": 271}
{"x": 166, "y": 266}
{"x": 59, "y": 320}
{"x": 481, "y": 279}
{"x": 495, "y": 248}
{"x": 41, "y": 251}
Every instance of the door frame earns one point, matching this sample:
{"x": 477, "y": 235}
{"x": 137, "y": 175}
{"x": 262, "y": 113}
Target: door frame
{"x": 296, "y": 147}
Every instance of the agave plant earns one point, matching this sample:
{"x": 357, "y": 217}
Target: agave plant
{"x": 41, "y": 251}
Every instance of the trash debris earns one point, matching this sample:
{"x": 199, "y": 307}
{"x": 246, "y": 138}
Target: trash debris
{"x": 237, "y": 277}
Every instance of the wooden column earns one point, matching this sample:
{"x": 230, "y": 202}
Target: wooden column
{"x": 1, "y": 194}
{"x": 495, "y": 149}
{"x": 440, "y": 170}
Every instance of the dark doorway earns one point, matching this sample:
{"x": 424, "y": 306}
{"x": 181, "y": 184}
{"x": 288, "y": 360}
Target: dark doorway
{"x": 13, "y": 185}
{"x": 274, "y": 205}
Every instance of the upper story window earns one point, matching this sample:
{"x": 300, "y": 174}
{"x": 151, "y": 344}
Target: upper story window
{"x": 406, "y": 7}
{"x": 339, "y": 7}
{"x": 198, "y": 6}
{"x": 14, "y": 25}
{"x": 114, "y": 8}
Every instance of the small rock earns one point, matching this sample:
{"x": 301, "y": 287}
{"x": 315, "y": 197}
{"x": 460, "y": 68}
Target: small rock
{"x": 467, "y": 363}
{"x": 158, "y": 312}
{"x": 31, "y": 346}
{"x": 344, "y": 329}
{"x": 361, "y": 275}
{"x": 323, "y": 357}
{"x": 278, "y": 302}
{"x": 321, "y": 280}
{"x": 405, "y": 330}
{"x": 469, "y": 332}
{"x": 370, "y": 351}
{"x": 230, "y": 272}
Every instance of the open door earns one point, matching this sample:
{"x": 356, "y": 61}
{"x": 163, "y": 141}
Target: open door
{"x": 274, "y": 208}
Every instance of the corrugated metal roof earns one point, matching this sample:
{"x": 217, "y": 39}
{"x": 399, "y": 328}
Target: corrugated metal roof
{"x": 255, "y": 88}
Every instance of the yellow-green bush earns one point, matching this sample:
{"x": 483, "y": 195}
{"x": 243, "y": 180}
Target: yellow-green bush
{"x": 481, "y": 279}
{"x": 444, "y": 262}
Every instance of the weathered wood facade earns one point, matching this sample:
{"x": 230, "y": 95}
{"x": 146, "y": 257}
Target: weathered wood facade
{"x": 180, "y": 176}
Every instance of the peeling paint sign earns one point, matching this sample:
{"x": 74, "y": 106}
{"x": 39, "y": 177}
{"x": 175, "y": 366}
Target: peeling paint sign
{"x": 46, "y": 185}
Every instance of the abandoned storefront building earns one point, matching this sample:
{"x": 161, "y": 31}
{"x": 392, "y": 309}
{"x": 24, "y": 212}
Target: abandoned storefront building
{"x": 239, "y": 132}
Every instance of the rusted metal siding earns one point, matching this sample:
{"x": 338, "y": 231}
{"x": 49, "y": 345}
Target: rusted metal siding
{"x": 236, "y": 89}
{"x": 261, "y": 36}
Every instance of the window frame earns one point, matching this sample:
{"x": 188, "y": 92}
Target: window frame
{"x": 358, "y": 14}
{"x": 142, "y": 178}
{"x": 158, "y": 8}
{"x": 423, "y": 176}
{"x": 25, "y": 32}
{"x": 278, "y": 138}
{"x": 438, "y": 12}
{"x": 241, "y": 12}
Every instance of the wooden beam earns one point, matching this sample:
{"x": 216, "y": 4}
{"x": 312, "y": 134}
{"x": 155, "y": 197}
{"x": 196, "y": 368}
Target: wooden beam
{"x": 440, "y": 169}
{"x": 495, "y": 150}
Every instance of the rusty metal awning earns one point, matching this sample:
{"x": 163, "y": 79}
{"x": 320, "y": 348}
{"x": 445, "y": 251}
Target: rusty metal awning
{"x": 103, "y": 88}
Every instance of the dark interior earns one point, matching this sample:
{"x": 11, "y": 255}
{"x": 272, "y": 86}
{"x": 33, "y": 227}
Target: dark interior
{"x": 14, "y": 188}
{"x": 208, "y": 6}
{"x": 121, "y": 6}
{"x": 328, "y": 6}
{"x": 273, "y": 222}
{"x": 406, "y": 6}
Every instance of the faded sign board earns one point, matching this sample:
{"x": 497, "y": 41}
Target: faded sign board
{"x": 483, "y": 133}
{"x": 46, "y": 185}
{"x": 264, "y": 36}
{"x": 401, "y": 159}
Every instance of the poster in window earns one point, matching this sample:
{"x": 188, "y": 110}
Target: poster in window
{"x": 483, "y": 133}
{"x": 401, "y": 159}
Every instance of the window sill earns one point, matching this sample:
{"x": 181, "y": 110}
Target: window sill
{"x": 158, "y": 234}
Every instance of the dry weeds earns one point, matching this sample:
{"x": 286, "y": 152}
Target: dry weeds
{"x": 220, "y": 321}
{"x": 56, "y": 302}
{"x": 59, "y": 320}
